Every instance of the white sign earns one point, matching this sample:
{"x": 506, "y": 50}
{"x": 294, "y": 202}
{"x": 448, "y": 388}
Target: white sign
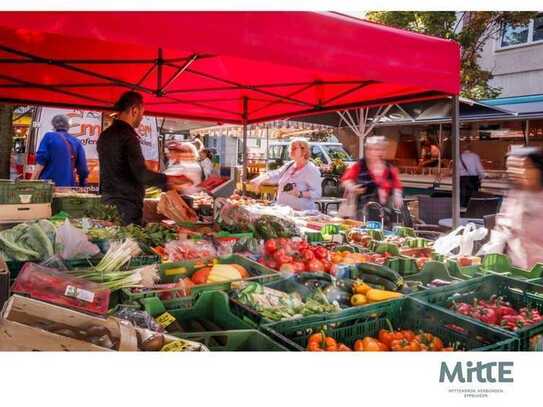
{"x": 148, "y": 132}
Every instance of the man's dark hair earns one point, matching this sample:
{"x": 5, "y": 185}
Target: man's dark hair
{"x": 128, "y": 100}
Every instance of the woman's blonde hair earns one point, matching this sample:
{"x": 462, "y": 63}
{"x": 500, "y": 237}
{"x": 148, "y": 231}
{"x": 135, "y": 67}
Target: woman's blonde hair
{"x": 303, "y": 142}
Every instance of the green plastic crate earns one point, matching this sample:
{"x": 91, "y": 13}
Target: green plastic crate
{"x": 403, "y": 231}
{"x": 403, "y": 314}
{"x": 519, "y": 293}
{"x": 12, "y": 192}
{"x": 463, "y": 273}
{"x": 255, "y": 270}
{"x": 501, "y": 264}
{"x": 212, "y": 307}
{"x": 76, "y": 206}
{"x": 249, "y": 340}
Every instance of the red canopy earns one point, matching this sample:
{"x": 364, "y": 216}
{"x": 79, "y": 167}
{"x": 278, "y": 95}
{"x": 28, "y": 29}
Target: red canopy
{"x": 202, "y": 65}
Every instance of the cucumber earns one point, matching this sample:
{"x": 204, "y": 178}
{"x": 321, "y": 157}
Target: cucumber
{"x": 381, "y": 271}
{"x": 375, "y": 280}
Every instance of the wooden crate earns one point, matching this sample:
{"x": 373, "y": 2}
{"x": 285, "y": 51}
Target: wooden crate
{"x": 24, "y": 319}
{"x": 21, "y": 212}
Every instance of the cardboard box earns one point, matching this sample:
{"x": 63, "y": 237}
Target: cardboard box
{"x": 21, "y": 212}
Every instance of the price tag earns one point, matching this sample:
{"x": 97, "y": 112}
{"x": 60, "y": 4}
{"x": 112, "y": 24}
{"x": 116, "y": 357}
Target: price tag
{"x": 165, "y": 320}
{"x": 175, "y": 346}
{"x": 79, "y": 293}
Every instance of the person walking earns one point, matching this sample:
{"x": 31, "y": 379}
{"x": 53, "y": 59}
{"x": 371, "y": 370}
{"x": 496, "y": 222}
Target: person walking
{"x": 372, "y": 179}
{"x": 123, "y": 174}
{"x": 61, "y": 157}
{"x": 519, "y": 223}
{"x": 471, "y": 174}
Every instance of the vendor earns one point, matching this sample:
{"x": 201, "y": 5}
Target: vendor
{"x": 429, "y": 154}
{"x": 298, "y": 181}
{"x": 206, "y": 163}
{"x": 518, "y": 225}
{"x": 123, "y": 174}
{"x": 183, "y": 160}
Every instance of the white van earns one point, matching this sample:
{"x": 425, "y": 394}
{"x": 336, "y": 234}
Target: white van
{"x": 320, "y": 151}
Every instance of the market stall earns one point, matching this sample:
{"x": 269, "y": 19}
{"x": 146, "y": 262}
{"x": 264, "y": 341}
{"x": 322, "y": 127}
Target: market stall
{"x": 237, "y": 273}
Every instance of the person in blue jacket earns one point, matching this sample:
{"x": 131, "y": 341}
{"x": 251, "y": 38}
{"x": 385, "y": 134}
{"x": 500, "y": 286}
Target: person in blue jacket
{"x": 61, "y": 157}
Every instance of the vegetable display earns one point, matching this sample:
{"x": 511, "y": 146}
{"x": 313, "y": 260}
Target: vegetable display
{"x": 28, "y": 241}
{"x": 296, "y": 256}
{"x": 277, "y": 305}
{"x": 497, "y": 311}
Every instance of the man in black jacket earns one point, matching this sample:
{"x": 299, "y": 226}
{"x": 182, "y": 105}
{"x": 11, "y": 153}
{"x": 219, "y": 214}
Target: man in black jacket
{"x": 123, "y": 174}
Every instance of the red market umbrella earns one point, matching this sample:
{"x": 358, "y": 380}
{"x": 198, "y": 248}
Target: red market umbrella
{"x": 233, "y": 67}
{"x": 203, "y": 65}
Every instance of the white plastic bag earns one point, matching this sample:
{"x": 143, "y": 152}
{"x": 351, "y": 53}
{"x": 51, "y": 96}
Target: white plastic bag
{"x": 471, "y": 234}
{"x": 445, "y": 245}
{"x": 72, "y": 243}
{"x": 498, "y": 240}
{"x": 462, "y": 238}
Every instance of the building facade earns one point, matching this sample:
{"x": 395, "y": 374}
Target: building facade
{"x": 515, "y": 58}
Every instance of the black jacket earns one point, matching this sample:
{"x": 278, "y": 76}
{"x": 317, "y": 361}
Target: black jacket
{"x": 123, "y": 174}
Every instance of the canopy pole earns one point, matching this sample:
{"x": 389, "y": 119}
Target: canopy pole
{"x": 440, "y": 142}
{"x": 526, "y": 133}
{"x": 267, "y": 145}
{"x": 245, "y": 162}
{"x": 455, "y": 144}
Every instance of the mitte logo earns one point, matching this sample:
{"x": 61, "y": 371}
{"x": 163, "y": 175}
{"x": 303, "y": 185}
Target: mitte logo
{"x": 491, "y": 372}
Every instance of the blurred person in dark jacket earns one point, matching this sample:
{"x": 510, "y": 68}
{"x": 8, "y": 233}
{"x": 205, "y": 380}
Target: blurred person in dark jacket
{"x": 123, "y": 174}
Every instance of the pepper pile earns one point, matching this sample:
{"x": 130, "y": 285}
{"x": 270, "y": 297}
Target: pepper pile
{"x": 388, "y": 340}
{"x": 497, "y": 311}
{"x": 319, "y": 342}
{"x": 401, "y": 341}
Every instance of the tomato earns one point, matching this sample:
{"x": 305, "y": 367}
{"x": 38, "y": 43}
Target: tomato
{"x": 321, "y": 253}
{"x": 315, "y": 266}
{"x": 287, "y": 268}
{"x": 270, "y": 247}
{"x": 302, "y": 245}
{"x": 271, "y": 263}
{"x": 282, "y": 242}
{"x": 261, "y": 260}
{"x": 308, "y": 255}
{"x": 299, "y": 267}
{"x": 284, "y": 259}
{"x": 327, "y": 265}
{"x": 279, "y": 253}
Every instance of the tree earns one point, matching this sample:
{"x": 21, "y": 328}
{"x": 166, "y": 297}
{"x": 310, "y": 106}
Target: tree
{"x": 6, "y": 139}
{"x": 471, "y": 29}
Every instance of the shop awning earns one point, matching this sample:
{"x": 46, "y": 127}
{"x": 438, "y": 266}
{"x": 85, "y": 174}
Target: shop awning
{"x": 204, "y": 65}
{"x": 417, "y": 113}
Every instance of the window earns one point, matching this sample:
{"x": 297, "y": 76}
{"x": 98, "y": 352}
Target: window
{"x": 317, "y": 154}
{"x": 525, "y": 34}
{"x": 275, "y": 152}
{"x": 538, "y": 28}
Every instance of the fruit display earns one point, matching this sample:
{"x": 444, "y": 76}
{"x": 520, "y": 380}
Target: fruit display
{"x": 219, "y": 273}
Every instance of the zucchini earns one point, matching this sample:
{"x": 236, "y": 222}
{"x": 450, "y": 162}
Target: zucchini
{"x": 381, "y": 271}
{"x": 375, "y": 280}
